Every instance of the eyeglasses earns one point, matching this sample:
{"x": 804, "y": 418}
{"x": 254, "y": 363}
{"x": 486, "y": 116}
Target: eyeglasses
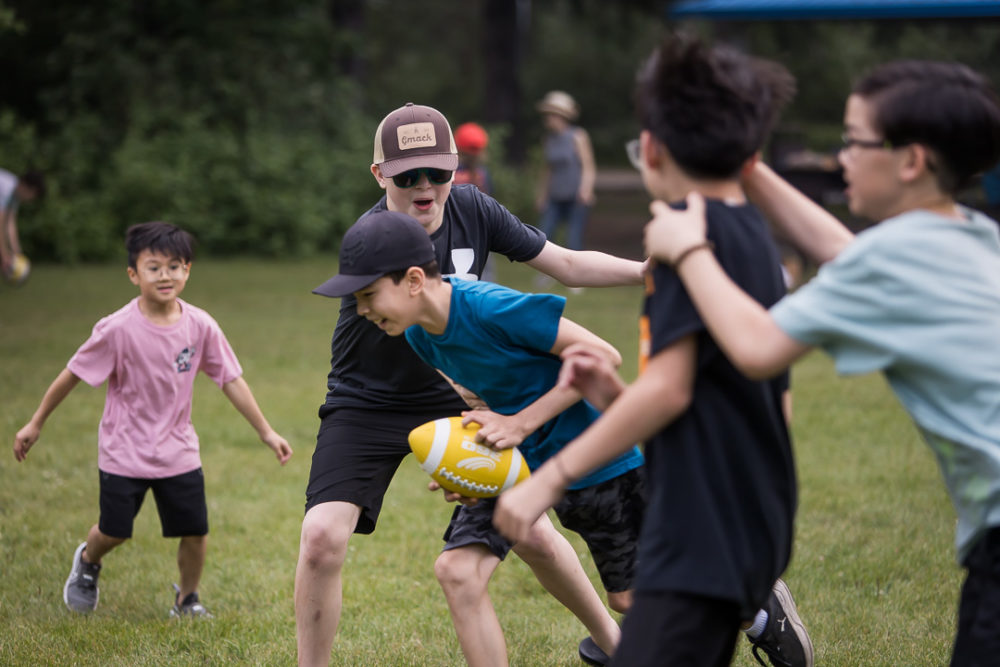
{"x": 634, "y": 156}
{"x": 848, "y": 142}
{"x": 409, "y": 178}
{"x": 153, "y": 271}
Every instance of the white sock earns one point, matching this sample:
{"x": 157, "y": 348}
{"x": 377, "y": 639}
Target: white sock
{"x": 759, "y": 623}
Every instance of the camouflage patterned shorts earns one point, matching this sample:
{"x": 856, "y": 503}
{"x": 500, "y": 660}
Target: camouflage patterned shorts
{"x": 608, "y": 516}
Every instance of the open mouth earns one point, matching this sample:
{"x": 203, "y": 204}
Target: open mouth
{"x": 423, "y": 204}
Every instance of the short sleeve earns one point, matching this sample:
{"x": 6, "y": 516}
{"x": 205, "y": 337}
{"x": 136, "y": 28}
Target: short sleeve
{"x": 218, "y": 360}
{"x": 94, "y": 361}
{"x": 847, "y": 310}
{"x": 529, "y": 321}
{"x": 509, "y": 236}
{"x": 669, "y": 310}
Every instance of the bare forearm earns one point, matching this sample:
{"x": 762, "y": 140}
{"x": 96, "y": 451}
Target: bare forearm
{"x": 741, "y": 326}
{"x": 810, "y": 227}
{"x": 548, "y": 406}
{"x": 631, "y": 419}
{"x": 587, "y": 268}
{"x": 54, "y": 395}
{"x": 591, "y": 268}
{"x": 239, "y": 394}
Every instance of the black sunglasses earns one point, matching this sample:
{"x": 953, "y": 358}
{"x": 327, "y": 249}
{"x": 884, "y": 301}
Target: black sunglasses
{"x": 848, "y": 142}
{"x": 409, "y": 178}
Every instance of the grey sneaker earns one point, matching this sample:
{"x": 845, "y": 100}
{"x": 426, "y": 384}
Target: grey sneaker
{"x": 80, "y": 592}
{"x": 784, "y": 639}
{"x": 191, "y": 606}
{"x": 591, "y": 653}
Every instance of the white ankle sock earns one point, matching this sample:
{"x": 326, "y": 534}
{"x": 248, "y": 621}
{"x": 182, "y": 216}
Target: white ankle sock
{"x": 759, "y": 623}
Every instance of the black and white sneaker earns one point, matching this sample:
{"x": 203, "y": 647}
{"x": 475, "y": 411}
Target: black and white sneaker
{"x": 190, "y": 606}
{"x": 592, "y": 654}
{"x": 80, "y": 592}
{"x": 784, "y": 639}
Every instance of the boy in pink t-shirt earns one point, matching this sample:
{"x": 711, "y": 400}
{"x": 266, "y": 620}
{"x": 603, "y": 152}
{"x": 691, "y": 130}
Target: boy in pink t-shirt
{"x": 149, "y": 353}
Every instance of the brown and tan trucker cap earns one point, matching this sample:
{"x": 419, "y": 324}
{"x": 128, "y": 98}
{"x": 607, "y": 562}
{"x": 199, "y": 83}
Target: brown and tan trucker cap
{"x": 414, "y": 136}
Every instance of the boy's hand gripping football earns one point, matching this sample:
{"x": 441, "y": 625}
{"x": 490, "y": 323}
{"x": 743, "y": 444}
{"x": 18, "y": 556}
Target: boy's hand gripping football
{"x": 496, "y": 430}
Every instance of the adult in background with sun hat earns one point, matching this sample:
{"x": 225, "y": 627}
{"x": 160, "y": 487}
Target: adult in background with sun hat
{"x": 566, "y": 186}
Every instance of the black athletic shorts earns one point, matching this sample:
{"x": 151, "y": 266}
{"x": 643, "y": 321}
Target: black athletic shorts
{"x": 180, "y": 502}
{"x": 978, "y": 639}
{"x": 608, "y": 517}
{"x": 667, "y": 628}
{"x": 357, "y": 454}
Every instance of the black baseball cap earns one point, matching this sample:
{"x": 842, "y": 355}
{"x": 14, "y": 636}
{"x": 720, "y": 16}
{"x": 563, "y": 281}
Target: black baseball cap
{"x": 375, "y": 245}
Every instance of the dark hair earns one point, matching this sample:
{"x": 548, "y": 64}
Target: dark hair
{"x": 161, "y": 237}
{"x": 947, "y": 107}
{"x": 431, "y": 269}
{"x": 712, "y": 107}
{"x": 34, "y": 180}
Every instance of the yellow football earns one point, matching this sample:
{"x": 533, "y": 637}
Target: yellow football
{"x": 449, "y": 453}
{"x": 18, "y": 270}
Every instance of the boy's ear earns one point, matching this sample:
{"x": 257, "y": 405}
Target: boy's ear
{"x": 379, "y": 178}
{"x": 748, "y": 166}
{"x": 918, "y": 160}
{"x": 132, "y": 275}
{"x": 415, "y": 280}
{"x": 650, "y": 149}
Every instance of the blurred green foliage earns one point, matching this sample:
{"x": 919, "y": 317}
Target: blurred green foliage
{"x": 250, "y": 122}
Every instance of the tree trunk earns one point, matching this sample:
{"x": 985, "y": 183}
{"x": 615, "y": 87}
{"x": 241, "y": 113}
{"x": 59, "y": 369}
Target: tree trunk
{"x": 503, "y": 22}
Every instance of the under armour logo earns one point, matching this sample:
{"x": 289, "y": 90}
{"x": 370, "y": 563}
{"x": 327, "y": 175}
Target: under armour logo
{"x": 462, "y": 259}
{"x": 352, "y": 251}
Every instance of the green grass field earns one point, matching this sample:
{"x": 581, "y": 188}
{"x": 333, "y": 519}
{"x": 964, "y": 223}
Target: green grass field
{"x": 873, "y": 570}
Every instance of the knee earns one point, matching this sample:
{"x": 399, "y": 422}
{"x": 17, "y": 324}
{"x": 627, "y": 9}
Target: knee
{"x": 540, "y": 546}
{"x": 323, "y": 547}
{"x": 459, "y": 571}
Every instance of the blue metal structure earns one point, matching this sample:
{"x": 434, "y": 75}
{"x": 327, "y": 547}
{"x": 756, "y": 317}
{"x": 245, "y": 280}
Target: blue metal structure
{"x": 749, "y": 10}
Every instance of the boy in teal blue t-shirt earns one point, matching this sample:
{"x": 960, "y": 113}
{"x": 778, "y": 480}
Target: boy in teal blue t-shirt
{"x": 503, "y": 346}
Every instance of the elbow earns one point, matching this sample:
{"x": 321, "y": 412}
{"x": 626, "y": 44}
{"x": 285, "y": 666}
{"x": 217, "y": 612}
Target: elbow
{"x": 757, "y": 357}
{"x": 674, "y": 398}
{"x": 677, "y": 402}
{"x": 756, "y": 371}
{"x": 756, "y": 366}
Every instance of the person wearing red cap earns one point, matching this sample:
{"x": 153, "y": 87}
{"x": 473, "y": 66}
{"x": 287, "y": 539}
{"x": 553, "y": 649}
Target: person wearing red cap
{"x": 379, "y": 389}
{"x": 472, "y": 140}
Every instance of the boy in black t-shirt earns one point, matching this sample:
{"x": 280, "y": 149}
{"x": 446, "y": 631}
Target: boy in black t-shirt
{"x": 379, "y": 389}
{"x": 718, "y": 529}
